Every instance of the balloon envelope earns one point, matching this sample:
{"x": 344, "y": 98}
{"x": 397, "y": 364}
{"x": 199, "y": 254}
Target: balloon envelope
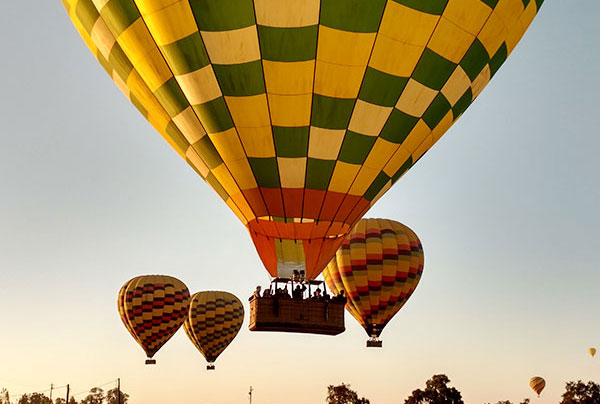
{"x": 213, "y": 321}
{"x": 300, "y": 114}
{"x": 152, "y": 308}
{"x": 537, "y": 384}
{"x": 378, "y": 266}
{"x": 592, "y": 351}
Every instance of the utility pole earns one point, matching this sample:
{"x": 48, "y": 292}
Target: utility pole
{"x": 118, "y": 391}
{"x": 51, "y": 388}
{"x": 67, "y": 402}
{"x": 250, "y": 394}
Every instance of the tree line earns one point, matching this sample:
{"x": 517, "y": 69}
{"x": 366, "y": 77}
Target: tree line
{"x": 437, "y": 391}
{"x": 95, "y": 396}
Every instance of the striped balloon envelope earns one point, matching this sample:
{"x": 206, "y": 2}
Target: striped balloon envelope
{"x": 153, "y": 307}
{"x": 301, "y": 114}
{"x": 537, "y": 384}
{"x": 378, "y": 266}
{"x": 213, "y": 321}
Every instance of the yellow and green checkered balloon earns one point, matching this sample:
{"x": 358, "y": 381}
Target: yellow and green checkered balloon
{"x": 301, "y": 113}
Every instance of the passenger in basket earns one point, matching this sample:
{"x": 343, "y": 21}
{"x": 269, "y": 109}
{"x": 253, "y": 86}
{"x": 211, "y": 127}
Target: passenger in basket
{"x": 341, "y": 297}
{"x": 317, "y": 294}
{"x": 298, "y": 292}
{"x": 256, "y": 293}
{"x": 267, "y": 293}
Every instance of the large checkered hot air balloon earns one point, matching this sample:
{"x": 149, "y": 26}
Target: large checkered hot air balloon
{"x": 378, "y": 267}
{"x": 301, "y": 114}
{"x": 153, "y": 307}
{"x": 213, "y": 321}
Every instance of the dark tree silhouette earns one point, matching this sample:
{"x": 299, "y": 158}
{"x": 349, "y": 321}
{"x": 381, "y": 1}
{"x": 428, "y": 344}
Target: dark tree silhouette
{"x": 111, "y": 397}
{"x": 342, "y": 394}
{"x": 34, "y": 398}
{"x": 581, "y": 393}
{"x": 436, "y": 392}
{"x": 4, "y": 396}
{"x": 96, "y": 396}
{"x": 525, "y": 401}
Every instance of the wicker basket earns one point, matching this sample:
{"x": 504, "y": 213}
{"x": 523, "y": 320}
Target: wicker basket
{"x": 285, "y": 314}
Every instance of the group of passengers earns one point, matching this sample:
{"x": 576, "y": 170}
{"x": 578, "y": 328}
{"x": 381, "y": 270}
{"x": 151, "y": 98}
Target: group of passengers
{"x": 298, "y": 293}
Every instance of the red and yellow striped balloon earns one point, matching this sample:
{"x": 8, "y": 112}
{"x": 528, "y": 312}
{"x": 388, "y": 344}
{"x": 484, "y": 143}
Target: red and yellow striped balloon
{"x": 153, "y": 307}
{"x": 537, "y": 384}
{"x": 378, "y": 267}
{"x": 214, "y": 320}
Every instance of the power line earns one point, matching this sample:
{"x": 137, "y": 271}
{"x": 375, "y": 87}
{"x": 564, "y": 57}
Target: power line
{"x": 67, "y": 386}
{"x": 102, "y": 385}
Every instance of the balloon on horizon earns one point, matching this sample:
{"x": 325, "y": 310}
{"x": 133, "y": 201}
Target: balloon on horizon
{"x": 152, "y": 308}
{"x": 592, "y": 351}
{"x": 378, "y": 266}
{"x": 298, "y": 132}
{"x": 537, "y": 384}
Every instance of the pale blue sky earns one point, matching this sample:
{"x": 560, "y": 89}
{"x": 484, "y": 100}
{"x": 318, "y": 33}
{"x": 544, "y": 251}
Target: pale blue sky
{"x": 506, "y": 205}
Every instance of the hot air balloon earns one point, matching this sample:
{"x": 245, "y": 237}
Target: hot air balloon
{"x": 297, "y": 131}
{"x": 592, "y": 351}
{"x": 213, "y": 322}
{"x": 378, "y": 267}
{"x": 153, "y": 307}
{"x": 537, "y": 384}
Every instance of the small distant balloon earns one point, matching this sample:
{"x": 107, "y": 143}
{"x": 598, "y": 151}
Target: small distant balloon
{"x": 592, "y": 351}
{"x": 153, "y": 307}
{"x": 537, "y": 384}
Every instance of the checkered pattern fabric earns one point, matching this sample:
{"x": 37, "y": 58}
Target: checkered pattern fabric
{"x": 153, "y": 307}
{"x": 378, "y": 267}
{"x": 301, "y": 113}
{"x": 214, "y": 320}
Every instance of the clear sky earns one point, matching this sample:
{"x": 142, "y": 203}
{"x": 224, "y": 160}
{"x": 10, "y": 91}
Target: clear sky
{"x": 506, "y": 205}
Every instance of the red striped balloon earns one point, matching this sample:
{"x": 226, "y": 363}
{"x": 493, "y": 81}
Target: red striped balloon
{"x": 378, "y": 267}
{"x": 153, "y": 307}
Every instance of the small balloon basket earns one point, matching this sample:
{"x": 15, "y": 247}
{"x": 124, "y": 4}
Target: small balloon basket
{"x": 374, "y": 343}
{"x": 210, "y": 366}
{"x": 150, "y": 361}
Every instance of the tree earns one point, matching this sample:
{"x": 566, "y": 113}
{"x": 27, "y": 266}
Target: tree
{"x": 34, "y": 398}
{"x": 112, "y": 395}
{"x": 581, "y": 393}
{"x": 4, "y": 396}
{"x": 436, "y": 392}
{"x": 73, "y": 401}
{"x": 342, "y": 394}
{"x": 525, "y": 401}
{"x": 60, "y": 401}
{"x": 96, "y": 396}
